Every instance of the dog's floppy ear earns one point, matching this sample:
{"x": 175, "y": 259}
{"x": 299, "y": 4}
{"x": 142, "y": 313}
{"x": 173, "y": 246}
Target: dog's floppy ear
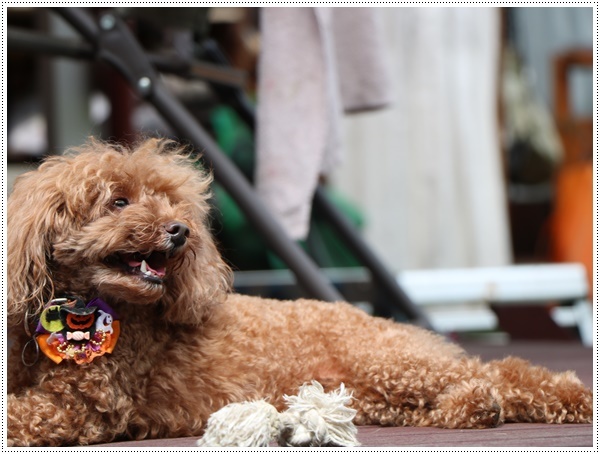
{"x": 35, "y": 211}
{"x": 203, "y": 282}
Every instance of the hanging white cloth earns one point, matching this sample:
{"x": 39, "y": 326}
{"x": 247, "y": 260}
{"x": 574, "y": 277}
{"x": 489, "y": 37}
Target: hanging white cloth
{"x": 315, "y": 63}
{"x": 428, "y": 173}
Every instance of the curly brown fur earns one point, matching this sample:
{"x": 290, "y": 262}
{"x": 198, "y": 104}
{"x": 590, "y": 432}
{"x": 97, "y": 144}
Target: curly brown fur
{"x": 189, "y": 347}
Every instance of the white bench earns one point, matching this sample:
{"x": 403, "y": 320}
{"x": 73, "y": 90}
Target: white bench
{"x": 459, "y": 299}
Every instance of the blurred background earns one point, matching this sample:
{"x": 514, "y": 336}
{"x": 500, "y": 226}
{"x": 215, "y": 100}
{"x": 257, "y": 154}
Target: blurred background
{"x": 458, "y": 141}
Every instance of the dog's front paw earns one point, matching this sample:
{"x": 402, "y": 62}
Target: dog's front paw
{"x": 583, "y": 409}
{"x": 472, "y": 404}
{"x": 562, "y": 399}
{"x": 574, "y": 401}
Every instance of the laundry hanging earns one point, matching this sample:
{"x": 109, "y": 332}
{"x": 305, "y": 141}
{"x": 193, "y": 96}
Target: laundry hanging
{"x": 315, "y": 64}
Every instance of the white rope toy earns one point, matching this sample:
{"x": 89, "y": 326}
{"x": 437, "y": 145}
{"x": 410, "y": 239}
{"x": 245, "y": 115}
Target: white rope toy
{"x": 313, "y": 418}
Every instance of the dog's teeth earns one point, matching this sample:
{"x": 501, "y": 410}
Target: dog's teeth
{"x": 144, "y": 267}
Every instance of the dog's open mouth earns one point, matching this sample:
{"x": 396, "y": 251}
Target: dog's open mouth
{"x": 150, "y": 267}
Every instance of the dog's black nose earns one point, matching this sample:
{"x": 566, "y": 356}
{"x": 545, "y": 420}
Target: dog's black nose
{"x": 178, "y": 233}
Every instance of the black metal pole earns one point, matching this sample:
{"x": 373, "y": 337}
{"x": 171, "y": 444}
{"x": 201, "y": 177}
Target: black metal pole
{"x": 381, "y": 276}
{"x": 81, "y": 21}
{"x": 38, "y": 43}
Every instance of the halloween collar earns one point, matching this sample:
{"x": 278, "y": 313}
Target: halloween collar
{"x": 70, "y": 329}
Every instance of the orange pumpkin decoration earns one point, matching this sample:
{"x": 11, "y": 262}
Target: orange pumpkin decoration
{"x": 79, "y": 322}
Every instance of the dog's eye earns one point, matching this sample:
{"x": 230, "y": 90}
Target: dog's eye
{"x": 120, "y": 202}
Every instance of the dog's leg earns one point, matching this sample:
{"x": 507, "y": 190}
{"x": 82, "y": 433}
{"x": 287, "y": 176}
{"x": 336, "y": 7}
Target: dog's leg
{"x": 535, "y": 394}
{"x": 38, "y": 418}
{"x": 425, "y": 392}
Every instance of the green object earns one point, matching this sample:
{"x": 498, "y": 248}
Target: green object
{"x": 238, "y": 241}
{"x": 50, "y": 319}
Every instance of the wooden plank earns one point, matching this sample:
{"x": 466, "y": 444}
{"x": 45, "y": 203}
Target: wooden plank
{"x": 524, "y": 435}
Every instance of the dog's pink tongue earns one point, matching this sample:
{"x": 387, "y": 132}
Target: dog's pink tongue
{"x": 160, "y": 271}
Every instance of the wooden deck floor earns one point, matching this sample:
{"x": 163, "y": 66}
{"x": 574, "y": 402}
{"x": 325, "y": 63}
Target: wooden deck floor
{"x": 554, "y": 355}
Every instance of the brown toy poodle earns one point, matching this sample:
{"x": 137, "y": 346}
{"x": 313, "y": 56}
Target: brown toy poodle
{"x": 123, "y": 325}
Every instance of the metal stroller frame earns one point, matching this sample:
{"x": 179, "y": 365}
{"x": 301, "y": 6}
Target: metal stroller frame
{"x": 109, "y": 40}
